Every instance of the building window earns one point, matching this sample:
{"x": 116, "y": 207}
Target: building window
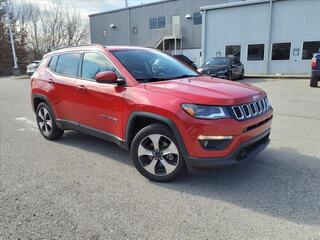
{"x": 281, "y": 51}
{"x": 197, "y": 18}
{"x": 255, "y": 52}
{"x": 153, "y": 23}
{"x": 135, "y": 30}
{"x": 309, "y": 49}
{"x": 161, "y": 22}
{"x": 233, "y": 50}
{"x": 156, "y": 23}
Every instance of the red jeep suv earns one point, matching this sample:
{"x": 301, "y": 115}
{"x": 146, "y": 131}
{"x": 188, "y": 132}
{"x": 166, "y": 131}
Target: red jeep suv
{"x": 168, "y": 115}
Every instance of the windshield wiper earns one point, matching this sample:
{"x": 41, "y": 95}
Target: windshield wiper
{"x": 182, "y": 76}
{"x": 151, "y": 79}
{"x": 155, "y": 79}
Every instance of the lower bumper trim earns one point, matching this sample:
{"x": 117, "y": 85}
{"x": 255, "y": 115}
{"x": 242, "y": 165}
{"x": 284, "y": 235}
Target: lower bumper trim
{"x": 244, "y": 152}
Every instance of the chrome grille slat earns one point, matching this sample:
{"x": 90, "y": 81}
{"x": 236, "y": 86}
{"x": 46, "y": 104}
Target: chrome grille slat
{"x": 238, "y": 116}
{"x": 260, "y": 107}
{"x": 246, "y": 110}
{"x": 252, "y": 109}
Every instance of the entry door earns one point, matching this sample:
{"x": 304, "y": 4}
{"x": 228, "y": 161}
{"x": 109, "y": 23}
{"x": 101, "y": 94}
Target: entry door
{"x": 176, "y": 25}
{"x": 296, "y": 59}
{"x": 99, "y": 104}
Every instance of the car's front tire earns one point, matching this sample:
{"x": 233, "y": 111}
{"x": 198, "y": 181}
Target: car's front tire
{"x": 46, "y": 122}
{"x": 156, "y": 155}
{"x": 229, "y": 76}
{"x": 242, "y": 75}
{"x": 314, "y": 81}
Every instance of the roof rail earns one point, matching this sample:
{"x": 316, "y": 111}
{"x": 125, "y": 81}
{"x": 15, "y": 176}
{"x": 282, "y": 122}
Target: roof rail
{"x": 74, "y": 46}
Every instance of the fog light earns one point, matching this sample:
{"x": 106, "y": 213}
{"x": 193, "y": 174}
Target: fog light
{"x": 215, "y": 143}
{"x": 201, "y": 137}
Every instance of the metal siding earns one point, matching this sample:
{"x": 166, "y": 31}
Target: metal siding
{"x": 236, "y": 26}
{"x": 140, "y": 18}
{"x": 192, "y": 33}
{"x": 118, "y": 35}
{"x": 292, "y": 21}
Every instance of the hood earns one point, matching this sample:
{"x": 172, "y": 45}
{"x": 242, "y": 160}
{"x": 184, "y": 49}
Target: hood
{"x": 207, "y": 91}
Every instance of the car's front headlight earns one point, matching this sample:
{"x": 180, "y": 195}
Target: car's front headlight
{"x": 205, "y": 112}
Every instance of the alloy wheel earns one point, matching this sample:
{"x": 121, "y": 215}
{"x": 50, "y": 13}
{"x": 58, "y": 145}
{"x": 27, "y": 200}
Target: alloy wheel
{"x": 158, "y": 155}
{"x": 45, "y": 121}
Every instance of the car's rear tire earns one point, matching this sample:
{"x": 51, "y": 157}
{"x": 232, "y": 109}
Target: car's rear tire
{"x": 47, "y": 123}
{"x": 314, "y": 81}
{"x": 156, "y": 154}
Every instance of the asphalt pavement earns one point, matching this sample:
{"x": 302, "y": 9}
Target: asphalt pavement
{"x": 81, "y": 187}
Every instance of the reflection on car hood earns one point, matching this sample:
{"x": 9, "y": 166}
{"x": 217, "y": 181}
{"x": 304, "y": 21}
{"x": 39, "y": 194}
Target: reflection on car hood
{"x": 207, "y": 90}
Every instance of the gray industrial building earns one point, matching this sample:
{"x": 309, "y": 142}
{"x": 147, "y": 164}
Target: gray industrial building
{"x": 269, "y": 36}
{"x": 171, "y": 25}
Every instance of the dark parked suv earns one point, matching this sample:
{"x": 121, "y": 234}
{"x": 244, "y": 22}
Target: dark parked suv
{"x": 223, "y": 67}
{"x": 315, "y": 70}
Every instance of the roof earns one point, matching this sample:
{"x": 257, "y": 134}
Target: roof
{"x": 95, "y": 46}
{"x": 132, "y": 7}
{"x": 236, "y": 4}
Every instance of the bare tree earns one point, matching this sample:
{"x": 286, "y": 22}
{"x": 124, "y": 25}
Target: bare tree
{"x": 50, "y": 27}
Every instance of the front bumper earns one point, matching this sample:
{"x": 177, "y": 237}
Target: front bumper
{"x": 315, "y": 73}
{"x": 244, "y": 152}
{"x": 218, "y": 75}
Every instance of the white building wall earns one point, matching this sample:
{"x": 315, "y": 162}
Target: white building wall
{"x": 193, "y": 54}
{"x": 293, "y": 21}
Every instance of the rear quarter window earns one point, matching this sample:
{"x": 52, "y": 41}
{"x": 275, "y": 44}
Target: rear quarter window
{"x": 53, "y": 63}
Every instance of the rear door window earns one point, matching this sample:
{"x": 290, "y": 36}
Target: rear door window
{"x": 68, "y": 64}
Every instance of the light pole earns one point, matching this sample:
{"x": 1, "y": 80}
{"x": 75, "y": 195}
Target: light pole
{"x": 129, "y": 23}
{"x": 16, "y": 69}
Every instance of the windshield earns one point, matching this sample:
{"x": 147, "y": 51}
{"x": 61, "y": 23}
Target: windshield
{"x": 152, "y": 66}
{"x": 219, "y": 61}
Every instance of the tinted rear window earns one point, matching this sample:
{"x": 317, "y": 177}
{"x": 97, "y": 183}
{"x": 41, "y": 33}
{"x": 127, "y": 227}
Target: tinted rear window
{"x": 68, "y": 64}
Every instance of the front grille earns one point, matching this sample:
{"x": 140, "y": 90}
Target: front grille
{"x": 257, "y": 125}
{"x": 250, "y": 110}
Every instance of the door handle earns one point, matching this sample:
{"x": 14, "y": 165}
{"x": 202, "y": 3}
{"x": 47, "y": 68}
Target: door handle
{"x": 50, "y": 81}
{"x": 81, "y": 88}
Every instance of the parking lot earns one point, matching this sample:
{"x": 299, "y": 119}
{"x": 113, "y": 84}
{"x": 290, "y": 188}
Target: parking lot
{"x": 81, "y": 187}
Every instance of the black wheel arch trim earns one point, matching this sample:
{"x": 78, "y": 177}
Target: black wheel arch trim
{"x": 159, "y": 118}
{"x": 45, "y": 99}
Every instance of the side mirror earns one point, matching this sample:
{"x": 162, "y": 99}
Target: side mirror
{"x": 106, "y": 77}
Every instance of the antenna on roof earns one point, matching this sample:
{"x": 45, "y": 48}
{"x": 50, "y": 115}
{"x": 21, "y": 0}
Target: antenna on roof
{"x": 126, "y": 2}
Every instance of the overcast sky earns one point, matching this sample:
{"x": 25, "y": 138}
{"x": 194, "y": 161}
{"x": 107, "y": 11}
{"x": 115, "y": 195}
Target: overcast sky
{"x": 87, "y": 7}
